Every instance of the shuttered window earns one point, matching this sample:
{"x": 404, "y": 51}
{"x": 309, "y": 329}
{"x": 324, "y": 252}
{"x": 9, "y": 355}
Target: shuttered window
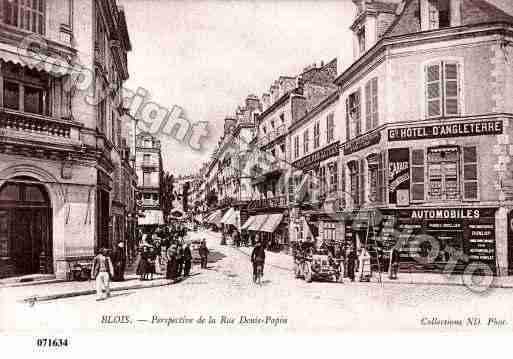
{"x": 371, "y": 104}
{"x": 342, "y": 199}
{"x": 348, "y": 121}
{"x": 291, "y": 189}
{"x": 306, "y": 141}
{"x": 317, "y": 134}
{"x": 470, "y": 175}
{"x": 417, "y": 175}
{"x": 381, "y": 178}
{"x": 361, "y": 183}
{"x": 354, "y": 176}
{"x": 354, "y": 114}
{"x": 442, "y": 89}
{"x": 330, "y": 128}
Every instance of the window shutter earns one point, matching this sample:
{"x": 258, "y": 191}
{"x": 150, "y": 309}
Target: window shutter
{"x": 368, "y": 106}
{"x": 381, "y": 178}
{"x": 358, "y": 114}
{"x": 470, "y": 176}
{"x": 417, "y": 175}
{"x": 451, "y": 89}
{"x": 342, "y": 192}
{"x": 291, "y": 188}
{"x": 375, "y": 119}
{"x": 348, "y": 120}
{"x": 434, "y": 90}
{"x": 361, "y": 182}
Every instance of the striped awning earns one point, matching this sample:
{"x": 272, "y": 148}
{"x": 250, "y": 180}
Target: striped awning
{"x": 271, "y": 223}
{"x": 56, "y": 67}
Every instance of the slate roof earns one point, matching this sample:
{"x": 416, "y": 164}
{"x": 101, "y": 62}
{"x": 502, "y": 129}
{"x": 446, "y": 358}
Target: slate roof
{"x": 472, "y": 12}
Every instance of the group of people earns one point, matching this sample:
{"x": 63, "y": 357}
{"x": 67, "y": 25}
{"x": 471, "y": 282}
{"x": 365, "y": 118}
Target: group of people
{"x": 179, "y": 261}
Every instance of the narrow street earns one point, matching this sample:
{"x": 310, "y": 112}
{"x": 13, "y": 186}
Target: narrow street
{"x": 226, "y": 289}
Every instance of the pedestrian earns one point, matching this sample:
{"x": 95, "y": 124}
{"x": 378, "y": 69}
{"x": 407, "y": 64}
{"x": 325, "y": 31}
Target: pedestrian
{"x": 394, "y": 263}
{"x": 203, "y": 252}
{"x": 179, "y": 260}
{"x": 119, "y": 259}
{"x": 171, "y": 263}
{"x": 187, "y": 260}
{"x": 102, "y": 271}
{"x": 351, "y": 262}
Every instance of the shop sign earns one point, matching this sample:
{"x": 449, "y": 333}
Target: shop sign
{"x": 313, "y": 160}
{"x": 398, "y": 172}
{"x": 462, "y": 234}
{"x": 460, "y": 129}
{"x": 361, "y": 142}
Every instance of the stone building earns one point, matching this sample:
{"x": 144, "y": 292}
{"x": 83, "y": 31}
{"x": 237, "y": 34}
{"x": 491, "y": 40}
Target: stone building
{"x": 426, "y": 145}
{"x": 62, "y": 64}
{"x": 148, "y": 164}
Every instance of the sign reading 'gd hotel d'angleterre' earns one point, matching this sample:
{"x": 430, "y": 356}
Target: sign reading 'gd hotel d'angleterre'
{"x": 473, "y": 128}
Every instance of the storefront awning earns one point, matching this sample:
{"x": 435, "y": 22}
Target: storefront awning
{"x": 248, "y": 222}
{"x": 151, "y": 217}
{"x": 232, "y": 217}
{"x": 271, "y": 223}
{"x": 227, "y": 215}
{"x": 258, "y": 222}
{"x": 215, "y": 218}
{"x": 57, "y": 67}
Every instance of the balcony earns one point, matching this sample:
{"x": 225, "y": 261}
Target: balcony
{"x": 37, "y": 128}
{"x": 272, "y": 202}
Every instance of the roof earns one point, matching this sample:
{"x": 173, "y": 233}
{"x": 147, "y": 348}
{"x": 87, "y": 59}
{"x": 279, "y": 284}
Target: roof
{"x": 472, "y": 12}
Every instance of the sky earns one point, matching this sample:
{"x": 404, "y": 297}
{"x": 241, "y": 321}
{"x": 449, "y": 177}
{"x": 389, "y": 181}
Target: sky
{"x": 207, "y": 56}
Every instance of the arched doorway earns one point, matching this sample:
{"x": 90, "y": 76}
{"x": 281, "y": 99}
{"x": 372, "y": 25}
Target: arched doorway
{"x": 25, "y": 228}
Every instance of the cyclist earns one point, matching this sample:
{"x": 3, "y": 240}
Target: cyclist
{"x": 258, "y": 258}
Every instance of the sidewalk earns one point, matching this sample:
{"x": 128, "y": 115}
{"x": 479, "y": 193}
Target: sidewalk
{"x": 38, "y": 291}
{"x": 284, "y": 261}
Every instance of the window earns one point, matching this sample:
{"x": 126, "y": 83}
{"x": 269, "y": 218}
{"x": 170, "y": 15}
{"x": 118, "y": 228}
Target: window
{"x": 35, "y": 99}
{"x": 442, "y": 89}
{"x": 146, "y": 179}
{"x": 146, "y": 158}
{"x": 333, "y": 177}
{"x": 443, "y": 173}
{"x": 264, "y": 129}
{"x": 272, "y": 124}
{"x": 317, "y": 134}
{"x": 296, "y": 147}
{"x": 371, "y": 104}
{"x": 439, "y": 14}
{"x": 322, "y": 178}
{"x": 25, "y": 14}
{"x": 329, "y": 232}
{"x": 470, "y": 182}
{"x": 376, "y": 178}
{"x": 330, "y": 128}
{"x": 11, "y": 95}
{"x": 305, "y": 141}
{"x": 417, "y": 175}
{"x": 353, "y": 111}
{"x": 282, "y": 118}
{"x": 355, "y": 185}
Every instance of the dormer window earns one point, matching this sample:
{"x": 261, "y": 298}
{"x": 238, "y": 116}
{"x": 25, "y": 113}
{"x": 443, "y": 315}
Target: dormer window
{"x": 439, "y": 14}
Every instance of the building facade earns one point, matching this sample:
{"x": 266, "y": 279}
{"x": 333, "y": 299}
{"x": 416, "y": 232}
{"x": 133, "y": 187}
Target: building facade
{"x": 426, "y": 135}
{"x": 59, "y": 136}
{"x": 148, "y": 164}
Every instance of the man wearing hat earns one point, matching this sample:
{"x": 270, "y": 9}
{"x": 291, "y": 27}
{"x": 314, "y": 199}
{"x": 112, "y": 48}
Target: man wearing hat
{"x": 119, "y": 259}
{"x": 102, "y": 271}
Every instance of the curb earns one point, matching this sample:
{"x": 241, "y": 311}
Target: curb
{"x": 44, "y": 298}
{"x": 495, "y": 286}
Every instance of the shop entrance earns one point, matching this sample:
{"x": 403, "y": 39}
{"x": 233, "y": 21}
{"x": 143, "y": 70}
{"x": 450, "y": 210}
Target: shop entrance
{"x": 25, "y": 228}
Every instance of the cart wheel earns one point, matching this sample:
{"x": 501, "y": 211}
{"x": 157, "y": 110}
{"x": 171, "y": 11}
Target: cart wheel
{"x": 308, "y": 273}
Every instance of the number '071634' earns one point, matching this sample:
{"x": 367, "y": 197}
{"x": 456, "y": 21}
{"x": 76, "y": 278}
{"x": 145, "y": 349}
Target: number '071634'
{"x": 51, "y": 342}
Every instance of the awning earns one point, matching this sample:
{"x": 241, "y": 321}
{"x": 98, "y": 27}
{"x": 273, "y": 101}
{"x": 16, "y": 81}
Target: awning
{"x": 215, "y": 218}
{"x": 272, "y": 222}
{"x": 258, "y": 222}
{"x": 227, "y": 215}
{"x": 151, "y": 217}
{"x": 248, "y": 222}
{"x": 231, "y": 217}
{"x": 56, "y": 67}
